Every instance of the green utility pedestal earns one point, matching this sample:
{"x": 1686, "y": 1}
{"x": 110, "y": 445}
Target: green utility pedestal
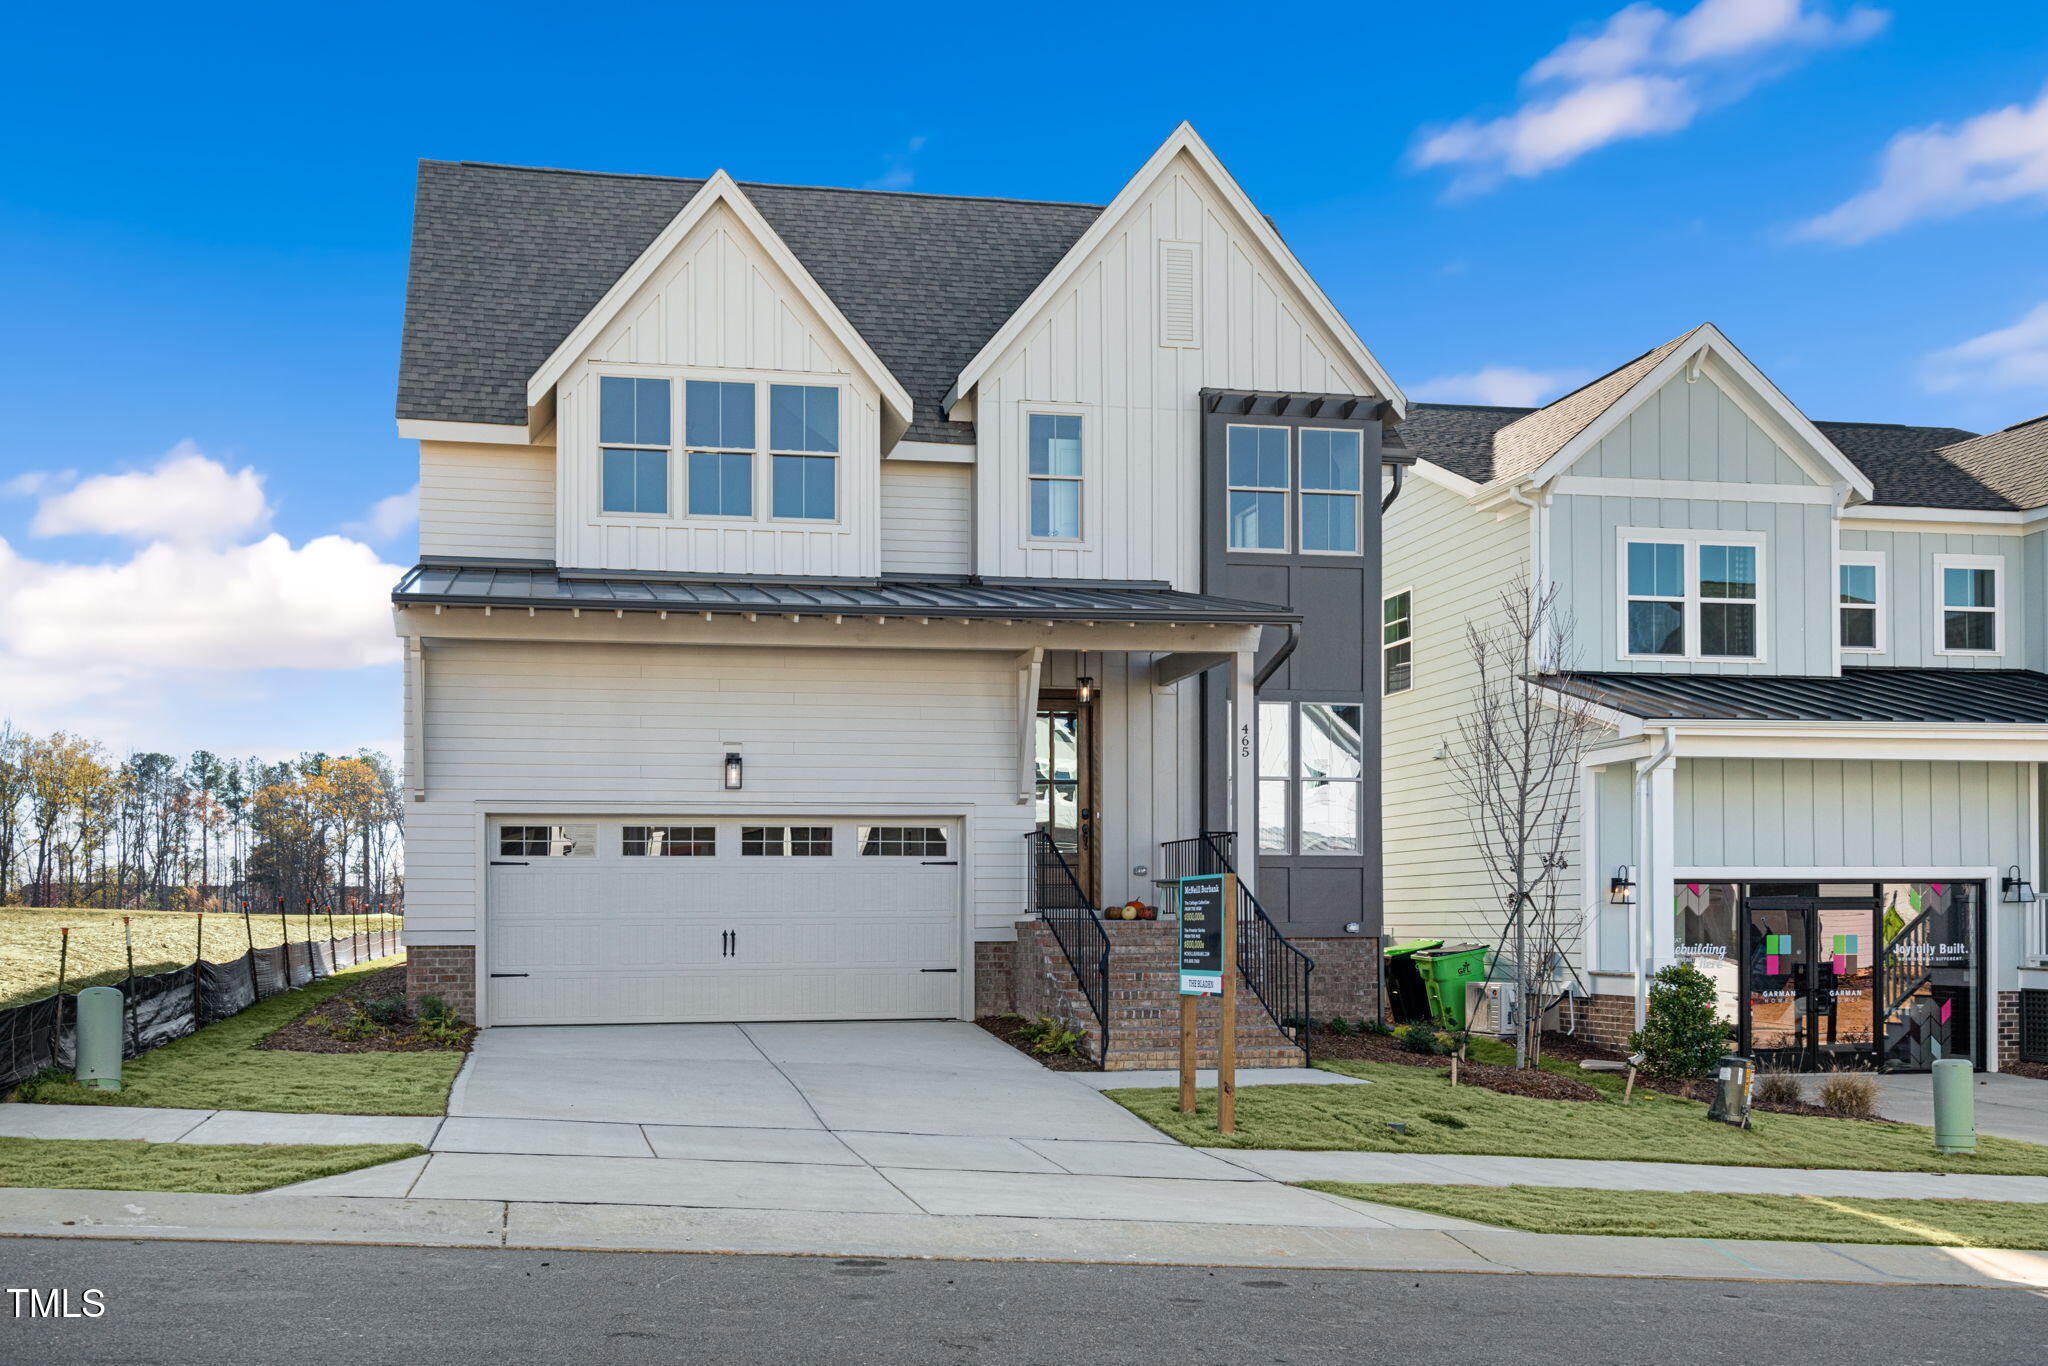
{"x": 99, "y": 1038}
{"x": 1955, "y": 1106}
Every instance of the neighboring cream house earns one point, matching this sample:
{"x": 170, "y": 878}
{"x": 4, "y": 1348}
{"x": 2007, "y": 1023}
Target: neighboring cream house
{"x": 806, "y": 571}
{"x": 1817, "y": 651}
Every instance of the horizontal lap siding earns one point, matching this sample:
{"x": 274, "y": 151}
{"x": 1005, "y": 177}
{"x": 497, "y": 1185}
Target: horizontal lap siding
{"x": 927, "y": 518}
{"x": 532, "y": 723}
{"x": 487, "y": 500}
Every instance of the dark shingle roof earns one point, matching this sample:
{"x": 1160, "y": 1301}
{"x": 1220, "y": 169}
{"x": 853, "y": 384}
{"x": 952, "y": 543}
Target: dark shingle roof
{"x": 1906, "y": 467}
{"x": 506, "y": 260}
{"x": 484, "y": 584}
{"x": 1988, "y": 696}
{"x": 1457, "y": 436}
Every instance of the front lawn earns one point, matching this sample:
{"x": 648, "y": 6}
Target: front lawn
{"x": 163, "y": 940}
{"x": 1678, "y": 1214}
{"x": 1439, "y": 1118}
{"x": 116, "y": 1164}
{"x": 221, "y": 1068}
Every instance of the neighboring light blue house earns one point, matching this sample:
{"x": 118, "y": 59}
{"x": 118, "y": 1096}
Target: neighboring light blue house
{"x": 1817, "y": 651}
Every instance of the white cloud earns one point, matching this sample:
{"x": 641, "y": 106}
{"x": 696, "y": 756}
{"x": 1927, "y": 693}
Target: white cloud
{"x": 1503, "y": 386}
{"x": 900, "y": 174}
{"x": 2008, "y": 358}
{"x": 388, "y": 518}
{"x": 1646, "y": 70}
{"x": 187, "y": 497}
{"x": 1997, "y": 157}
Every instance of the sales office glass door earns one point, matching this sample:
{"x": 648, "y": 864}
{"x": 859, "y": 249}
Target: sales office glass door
{"x": 1810, "y": 975}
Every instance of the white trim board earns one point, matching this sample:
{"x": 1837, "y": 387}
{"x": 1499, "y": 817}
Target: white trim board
{"x": 1603, "y": 487}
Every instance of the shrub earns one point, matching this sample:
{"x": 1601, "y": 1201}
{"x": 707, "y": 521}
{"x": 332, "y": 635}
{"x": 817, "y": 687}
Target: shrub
{"x": 387, "y": 1011}
{"x": 1681, "y": 1037}
{"x": 1337, "y": 1024}
{"x": 1422, "y": 1038}
{"x": 1049, "y": 1037}
{"x": 1850, "y": 1096}
{"x": 1379, "y": 1027}
{"x": 1779, "y": 1088}
{"x": 356, "y": 1026}
{"x": 437, "y": 1011}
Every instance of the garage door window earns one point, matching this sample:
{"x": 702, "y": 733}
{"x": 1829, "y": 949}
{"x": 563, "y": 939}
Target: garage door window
{"x": 547, "y": 841}
{"x": 686, "y": 841}
{"x": 794, "y": 841}
{"x": 902, "y": 841}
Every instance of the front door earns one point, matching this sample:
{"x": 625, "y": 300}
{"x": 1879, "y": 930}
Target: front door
{"x": 1065, "y": 785}
{"x": 1810, "y": 975}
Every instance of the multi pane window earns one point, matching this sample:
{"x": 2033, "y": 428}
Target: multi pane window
{"x": 1331, "y": 463}
{"x": 633, "y": 430}
{"x": 786, "y": 841}
{"x": 803, "y": 438}
{"x": 1969, "y": 605}
{"x": 1686, "y": 599}
{"x": 546, "y": 841}
{"x": 1055, "y": 476}
{"x": 1396, "y": 640}
{"x": 1311, "y": 768}
{"x": 672, "y": 841}
{"x": 1857, "y": 585}
{"x": 1256, "y": 466}
{"x": 718, "y": 424}
{"x": 902, "y": 841}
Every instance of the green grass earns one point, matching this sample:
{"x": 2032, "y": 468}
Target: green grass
{"x": 1677, "y": 1214}
{"x": 220, "y": 1068}
{"x": 116, "y": 1164}
{"x": 1499, "y": 1054}
{"x": 163, "y": 939}
{"x": 1469, "y": 1119}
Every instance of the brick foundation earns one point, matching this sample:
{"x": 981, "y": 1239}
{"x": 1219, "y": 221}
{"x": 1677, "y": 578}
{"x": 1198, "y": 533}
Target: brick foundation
{"x": 1346, "y": 981}
{"x": 994, "y": 991}
{"x": 1607, "y": 1020}
{"x": 444, "y": 970}
{"x": 2007, "y": 1025}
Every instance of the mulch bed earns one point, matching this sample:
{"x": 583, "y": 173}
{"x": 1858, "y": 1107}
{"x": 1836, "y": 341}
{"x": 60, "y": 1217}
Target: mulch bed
{"x": 1327, "y": 1047}
{"x": 313, "y": 1032}
{"x": 1577, "y": 1050}
{"x": 1010, "y": 1029}
{"x": 2038, "y": 1071}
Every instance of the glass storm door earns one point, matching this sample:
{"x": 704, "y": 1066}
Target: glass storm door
{"x": 1065, "y": 786}
{"x": 1810, "y": 975}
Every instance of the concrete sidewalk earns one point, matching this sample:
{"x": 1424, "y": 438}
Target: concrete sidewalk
{"x": 500, "y": 1224}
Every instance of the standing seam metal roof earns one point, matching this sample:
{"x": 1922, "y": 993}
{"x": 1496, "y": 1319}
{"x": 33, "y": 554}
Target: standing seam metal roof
{"x": 1877, "y": 695}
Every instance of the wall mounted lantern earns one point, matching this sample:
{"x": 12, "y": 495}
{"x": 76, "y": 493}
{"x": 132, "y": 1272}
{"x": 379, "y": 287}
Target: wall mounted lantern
{"x": 2018, "y": 891}
{"x": 732, "y": 772}
{"x": 1084, "y": 685}
{"x": 1621, "y": 890}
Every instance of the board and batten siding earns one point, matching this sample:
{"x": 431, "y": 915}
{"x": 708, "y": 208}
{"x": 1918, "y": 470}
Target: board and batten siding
{"x": 541, "y": 722}
{"x": 1877, "y": 814}
{"x": 718, "y": 308}
{"x": 1912, "y": 598}
{"x": 1691, "y": 431}
{"x": 487, "y": 500}
{"x": 1098, "y": 350}
{"x": 1454, "y": 561}
{"x": 927, "y": 517}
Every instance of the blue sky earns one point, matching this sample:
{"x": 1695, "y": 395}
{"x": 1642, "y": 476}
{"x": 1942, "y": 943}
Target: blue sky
{"x": 203, "y": 237}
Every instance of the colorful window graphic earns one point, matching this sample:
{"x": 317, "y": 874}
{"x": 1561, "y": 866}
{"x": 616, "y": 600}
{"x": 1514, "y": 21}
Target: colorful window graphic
{"x": 1845, "y": 954}
{"x": 1777, "y": 948}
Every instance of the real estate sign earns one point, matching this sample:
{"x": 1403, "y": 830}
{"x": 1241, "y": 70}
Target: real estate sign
{"x": 1201, "y": 935}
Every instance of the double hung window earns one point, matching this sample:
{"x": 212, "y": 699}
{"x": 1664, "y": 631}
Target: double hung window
{"x": 1259, "y": 483}
{"x": 1690, "y": 597}
{"x": 718, "y": 423}
{"x": 1859, "y": 590}
{"x": 1330, "y": 490}
{"x": 803, "y": 440}
{"x": 1055, "y": 476}
{"x": 1972, "y": 607}
{"x": 1311, "y": 765}
{"x": 1397, "y": 630}
{"x": 1290, "y": 488}
{"x": 633, "y": 430}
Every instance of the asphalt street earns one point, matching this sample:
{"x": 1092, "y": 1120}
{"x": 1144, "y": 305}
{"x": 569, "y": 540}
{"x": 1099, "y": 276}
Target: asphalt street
{"x": 218, "y": 1303}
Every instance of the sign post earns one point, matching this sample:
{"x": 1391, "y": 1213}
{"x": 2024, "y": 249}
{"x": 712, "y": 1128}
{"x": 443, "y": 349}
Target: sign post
{"x": 1208, "y": 905}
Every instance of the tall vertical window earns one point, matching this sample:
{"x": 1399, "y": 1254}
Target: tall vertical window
{"x": 1330, "y": 490}
{"x": 718, "y": 424}
{"x": 1396, "y": 640}
{"x": 1311, "y": 768}
{"x": 1055, "y": 476}
{"x": 803, "y": 444}
{"x": 1971, "y": 608}
{"x": 1256, "y": 460}
{"x": 1691, "y": 596}
{"x": 1859, "y": 588}
{"x": 633, "y": 432}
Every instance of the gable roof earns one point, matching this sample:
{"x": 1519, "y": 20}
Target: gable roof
{"x": 507, "y": 260}
{"x": 1527, "y": 444}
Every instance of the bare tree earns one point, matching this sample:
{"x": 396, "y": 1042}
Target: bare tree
{"x": 1517, "y": 764}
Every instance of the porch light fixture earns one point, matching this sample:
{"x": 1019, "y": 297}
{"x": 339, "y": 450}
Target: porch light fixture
{"x": 1084, "y": 684}
{"x": 732, "y": 772}
{"x": 1621, "y": 890}
{"x": 2018, "y": 891}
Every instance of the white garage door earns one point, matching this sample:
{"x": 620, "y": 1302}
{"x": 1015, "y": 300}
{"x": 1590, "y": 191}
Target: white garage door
{"x": 618, "y": 921}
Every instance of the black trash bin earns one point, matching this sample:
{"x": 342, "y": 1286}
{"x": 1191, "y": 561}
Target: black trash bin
{"x": 1407, "y": 996}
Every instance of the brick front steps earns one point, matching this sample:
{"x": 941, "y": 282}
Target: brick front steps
{"x": 1144, "y": 1000}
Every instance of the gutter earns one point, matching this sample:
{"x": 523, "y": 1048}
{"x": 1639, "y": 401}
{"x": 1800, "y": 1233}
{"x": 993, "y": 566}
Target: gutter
{"x": 1644, "y": 768}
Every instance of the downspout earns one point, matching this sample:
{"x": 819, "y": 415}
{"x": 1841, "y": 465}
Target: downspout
{"x": 1642, "y": 830}
{"x": 1279, "y": 657}
{"x": 1539, "y": 542}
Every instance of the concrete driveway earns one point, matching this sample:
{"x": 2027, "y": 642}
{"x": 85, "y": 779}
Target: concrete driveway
{"x": 871, "y": 1118}
{"x": 2007, "y": 1106}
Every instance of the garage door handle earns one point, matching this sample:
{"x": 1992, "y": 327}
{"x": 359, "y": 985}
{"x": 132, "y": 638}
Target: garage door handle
{"x": 938, "y": 969}
{"x": 942, "y": 863}
{"x": 509, "y": 863}
{"x": 511, "y": 974}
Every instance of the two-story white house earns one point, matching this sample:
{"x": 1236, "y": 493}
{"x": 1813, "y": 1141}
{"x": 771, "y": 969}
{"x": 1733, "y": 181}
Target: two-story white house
{"x": 1816, "y": 651}
{"x": 814, "y": 582}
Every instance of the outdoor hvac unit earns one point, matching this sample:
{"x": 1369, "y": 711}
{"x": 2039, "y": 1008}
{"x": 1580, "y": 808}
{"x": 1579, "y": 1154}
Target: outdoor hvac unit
{"x": 1490, "y": 1007}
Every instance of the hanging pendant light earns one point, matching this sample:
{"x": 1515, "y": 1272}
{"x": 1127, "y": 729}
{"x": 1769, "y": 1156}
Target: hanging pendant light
{"x": 1084, "y": 685}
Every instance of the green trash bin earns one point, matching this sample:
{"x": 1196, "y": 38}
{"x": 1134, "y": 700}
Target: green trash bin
{"x": 1407, "y": 993}
{"x": 1445, "y": 972}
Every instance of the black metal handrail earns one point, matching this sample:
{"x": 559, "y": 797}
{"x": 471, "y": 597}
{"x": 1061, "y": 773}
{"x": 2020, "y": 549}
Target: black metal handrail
{"x": 1058, "y": 900}
{"x": 1278, "y": 973}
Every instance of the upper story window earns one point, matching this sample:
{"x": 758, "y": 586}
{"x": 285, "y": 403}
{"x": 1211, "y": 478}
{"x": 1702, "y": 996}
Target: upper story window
{"x": 1055, "y": 476}
{"x": 1690, "y": 596}
{"x": 1257, "y": 470}
{"x": 1311, "y": 766}
{"x": 1972, "y": 604}
{"x": 719, "y": 425}
{"x": 1859, "y": 591}
{"x": 633, "y": 429}
{"x": 1397, "y": 631}
{"x": 1272, "y": 503}
{"x": 1330, "y": 473}
{"x": 803, "y": 441}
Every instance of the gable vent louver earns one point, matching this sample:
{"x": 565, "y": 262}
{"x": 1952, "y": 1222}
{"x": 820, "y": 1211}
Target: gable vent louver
{"x": 1178, "y": 262}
